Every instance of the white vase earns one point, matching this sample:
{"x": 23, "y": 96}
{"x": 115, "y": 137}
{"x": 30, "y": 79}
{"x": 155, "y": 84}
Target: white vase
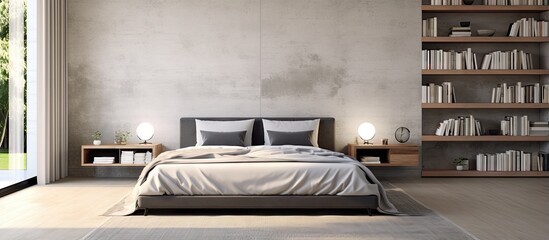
{"x": 96, "y": 142}
{"x": 459, "y": 168}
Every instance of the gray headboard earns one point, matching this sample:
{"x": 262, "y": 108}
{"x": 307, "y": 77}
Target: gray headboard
{"x": 326, "y": 131}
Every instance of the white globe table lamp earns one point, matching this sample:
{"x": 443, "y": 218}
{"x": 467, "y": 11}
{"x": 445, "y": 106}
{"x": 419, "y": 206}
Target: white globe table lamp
{"x": 366, "y": 131}
{"x": 145, "y": 132}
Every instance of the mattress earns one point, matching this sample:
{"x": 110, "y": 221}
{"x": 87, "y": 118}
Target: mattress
{"x": 257, "y": 171}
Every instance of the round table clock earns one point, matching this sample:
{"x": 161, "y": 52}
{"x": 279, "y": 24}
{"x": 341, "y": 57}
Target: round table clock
{"x": 402, "y": 134}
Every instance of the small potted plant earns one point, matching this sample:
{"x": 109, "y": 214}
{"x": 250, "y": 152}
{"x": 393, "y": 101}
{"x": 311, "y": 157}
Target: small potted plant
{"x": 96, "y": 138}
{"x": 460, "y": 163}
{"x": 121, "y": 137}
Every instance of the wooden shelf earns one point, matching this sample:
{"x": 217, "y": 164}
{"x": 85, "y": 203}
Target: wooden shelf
{"x": 473, "y": 173}
{"x": 88, "y": 152}
{"x": 484, "y": 39}
{"x": 483, "y": 9}
{"x": 484, "y": 105}
{"x": 485, "y": 138}
{"x": 390, "y": 155}
{"x": 486, "y": 72}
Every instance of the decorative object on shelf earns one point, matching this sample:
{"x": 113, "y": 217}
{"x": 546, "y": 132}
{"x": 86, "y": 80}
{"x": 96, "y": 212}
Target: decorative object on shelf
{"x": 402, "y": 134}
{"x": 385, "y": 141}
{"x": 96, "y": 138}
{"x": 366, "y": 131}
{"x": 465, "y": 24}
{"x": 121, "y": 137}
{"x": 145, "y": 131}
{"x": 468, "y": 2}
{"x": 460, "y": 163}
{"x": 486, "y": 32}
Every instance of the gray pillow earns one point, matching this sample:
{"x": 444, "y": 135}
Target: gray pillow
{"x": 223, "y": 138}
{"x": 302, "y": 138}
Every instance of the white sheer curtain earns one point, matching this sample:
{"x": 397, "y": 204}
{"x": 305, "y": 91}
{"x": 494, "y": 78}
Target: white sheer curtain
{"x": 16, "y": 122}
{"x": 52, "y": 115}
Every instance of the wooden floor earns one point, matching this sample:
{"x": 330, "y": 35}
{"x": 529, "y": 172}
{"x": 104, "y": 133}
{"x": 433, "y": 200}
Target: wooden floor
{"x": 487, "y": 208}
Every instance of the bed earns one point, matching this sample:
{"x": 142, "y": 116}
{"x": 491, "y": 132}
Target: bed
{"x": 373, "y": 197}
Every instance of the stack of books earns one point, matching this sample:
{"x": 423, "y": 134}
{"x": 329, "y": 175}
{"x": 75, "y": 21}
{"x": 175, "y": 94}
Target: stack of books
{"x": 103, "y": 160}
{"x": 539, "y": 129}
{"x": 370, "y": 160}
{"x": 126, "y": 157}
{"x": 446, "y": 2}
{"x": 460, "y": 31}
{"x": 139, "y": 158}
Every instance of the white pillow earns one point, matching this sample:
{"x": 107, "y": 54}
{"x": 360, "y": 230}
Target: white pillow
{"x": 291, "y": 126}
{"x": 224, "y": 126}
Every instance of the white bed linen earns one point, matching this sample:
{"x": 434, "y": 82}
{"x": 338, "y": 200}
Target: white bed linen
{"x": 257, "y": 170}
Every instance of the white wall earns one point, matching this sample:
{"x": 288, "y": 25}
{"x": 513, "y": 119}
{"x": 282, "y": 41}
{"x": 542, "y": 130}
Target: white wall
{"x": 156, "y": 61}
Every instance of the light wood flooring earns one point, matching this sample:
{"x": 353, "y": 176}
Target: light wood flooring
{"x": 488, "y": 208}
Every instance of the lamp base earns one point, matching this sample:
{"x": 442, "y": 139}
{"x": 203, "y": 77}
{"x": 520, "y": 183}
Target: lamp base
{"x": 145, "y": 142}
{"x": 367, "y": 142}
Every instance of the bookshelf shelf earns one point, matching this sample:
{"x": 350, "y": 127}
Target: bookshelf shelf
{"x": 454, "y": 173}
{"x": 484, "y": 39}
{"x": 485, "y": 138}
{"x": 537, "y": 72}
{"x": 484, "y": 105}
{"x": 483, "y": 9}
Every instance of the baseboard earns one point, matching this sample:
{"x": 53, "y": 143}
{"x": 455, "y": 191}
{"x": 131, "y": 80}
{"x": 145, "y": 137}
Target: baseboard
{"x": 18, "y": 186}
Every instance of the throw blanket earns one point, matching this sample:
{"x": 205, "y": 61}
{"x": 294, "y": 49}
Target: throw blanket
{"x": 255, "y": 154}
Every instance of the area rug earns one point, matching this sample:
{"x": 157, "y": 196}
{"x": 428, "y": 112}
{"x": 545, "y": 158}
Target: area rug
{"x": 418, "y": 223}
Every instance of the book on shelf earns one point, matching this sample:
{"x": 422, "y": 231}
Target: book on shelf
{"x": 460, "y": 32}
{"x": 528, "y": 27}
{"x": 515, "y": 126}
{"x": 433, "y": 93}
{"x": 103, "y": 160}
{"x": 449, "y": 60}
{"x": 139, "y": 158}
{"x": 515, "y": 2}
{"x": 148, "y": 157}
{"x": 429, "y": 27}
{"x": 543, "y": 161}
{"x": 371, "y": 159}
{"x": 126, "y": 157}
{"x": 460, "y": 126}
{"x": 539, "y": 129}
{"x": 446, "y": 2}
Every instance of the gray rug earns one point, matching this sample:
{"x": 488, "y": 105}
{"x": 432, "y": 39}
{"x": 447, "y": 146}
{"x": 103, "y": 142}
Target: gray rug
{"x": 421, "y": 223}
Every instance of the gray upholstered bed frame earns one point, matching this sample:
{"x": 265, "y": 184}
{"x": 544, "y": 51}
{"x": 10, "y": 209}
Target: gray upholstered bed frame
{"x": 326, "y": 140}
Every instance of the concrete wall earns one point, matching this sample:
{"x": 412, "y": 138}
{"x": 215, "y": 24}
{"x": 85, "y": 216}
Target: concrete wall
{"x": 133, "y": 61}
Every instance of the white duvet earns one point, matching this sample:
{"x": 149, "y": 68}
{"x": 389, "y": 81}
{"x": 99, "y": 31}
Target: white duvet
{"x": 257, "y": 170}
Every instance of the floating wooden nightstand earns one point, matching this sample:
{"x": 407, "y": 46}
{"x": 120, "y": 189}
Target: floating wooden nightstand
{"x": 113, "y": 150}
{"x": 390, "y": 155}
